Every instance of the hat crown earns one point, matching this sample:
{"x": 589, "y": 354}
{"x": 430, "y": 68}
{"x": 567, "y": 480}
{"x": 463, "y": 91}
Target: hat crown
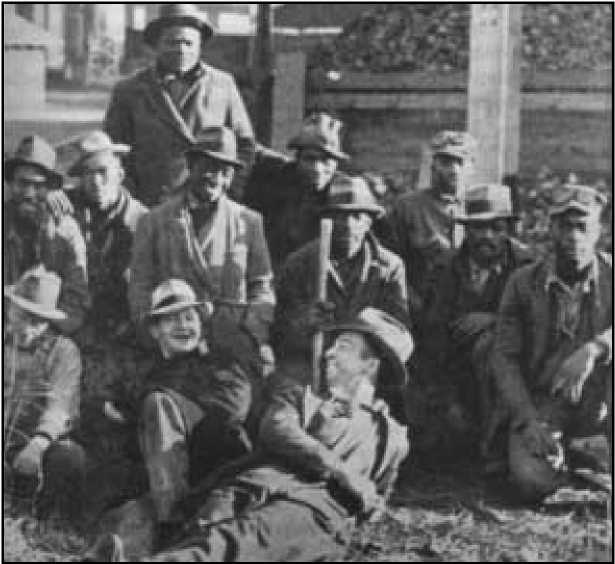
{"x": 36, "y": 150}
{"x": 39, "y": 287}
{"x": 585, "y": 199}
{"x": 491, "y": 199}
{"x": 390, "y": 331}
{"x": 350, "y": 190}
{"x": 455, "y": 143}
{"x": 95, "y": 141}
{"x": 320, "y": 131}
{"x": 218, "y": 142}
{"x": 171, "y": 292}
{"x": 173, "y": 10}
{"x": 178, "y": 14}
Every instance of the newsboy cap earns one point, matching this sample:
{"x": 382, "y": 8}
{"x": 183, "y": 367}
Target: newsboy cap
{"x": 178, "y": 14}
{"x": 459, "y": 144}
{"x": 320, "y": 131}
{"x": 584, "y": 199}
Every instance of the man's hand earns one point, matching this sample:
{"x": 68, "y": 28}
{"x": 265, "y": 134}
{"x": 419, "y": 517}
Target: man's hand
{"x": 364, "y": 491}
{"x": 470, "y": 325}
{"x": 572, "y": 375}
{"x": 59, "y": 204}
{"x": 30, "y": 460}
{"x": 537, "y": 439}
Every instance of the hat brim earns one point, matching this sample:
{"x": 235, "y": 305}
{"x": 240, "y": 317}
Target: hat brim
{"x": 117, "y": 149}
{"x": 173, "y": 308}
{"x": 455, "y": 154}
{"x": 54, "y": 178}
{"x": 399, "y": 373}
{"x": 217, "y": 156}
{"x": 31, "y": 307}
{"x": 585, "y": 210}
{"x": 377, "y": 211}
{"x": 296, "y": 143}
{"x": 153, "y": 29}
{"x": 483, "y": 217}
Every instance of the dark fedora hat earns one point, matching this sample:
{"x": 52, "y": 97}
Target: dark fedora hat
{"x": 35, "y": 151}
{"x": 218, "y": 143}
{"x": 178, "y": 14}
{"x": 486, "y": 202}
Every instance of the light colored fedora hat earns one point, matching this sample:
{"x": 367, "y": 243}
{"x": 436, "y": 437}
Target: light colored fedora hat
{"x": 486, "y": 202}
{"x": 37, "y": 292}
{"x": 392, "y": 338}
{"x": 174, "y": 295}
{"x": 351, "y": 193}
{"x": 91, "y": 143}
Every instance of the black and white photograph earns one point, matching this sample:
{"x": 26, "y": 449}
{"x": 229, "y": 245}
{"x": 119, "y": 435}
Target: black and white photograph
{"x": 307, "y": 282}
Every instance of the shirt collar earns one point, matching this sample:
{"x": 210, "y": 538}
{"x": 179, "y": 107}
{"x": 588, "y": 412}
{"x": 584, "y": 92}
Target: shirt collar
{"x": 553, "y": 279}
{"x": 193, "y": 74}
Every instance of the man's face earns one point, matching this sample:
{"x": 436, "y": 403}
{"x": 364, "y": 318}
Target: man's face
{"x": 102, "y": 177}
{"x": 448, "y": 173}
{"x": 575, "y": 236}
{"x": 349, "y": 232}
{"x": 177, "y": 333}
{"x": 24, "y": 327}
{"x": 209, "y": 178}
{"x": 179, "y": 48}
{"x": 486, "y": 239}
{"x": 29, "y": 191}
{"x": 349, "y": 362}
{"x": 316, "y": 167}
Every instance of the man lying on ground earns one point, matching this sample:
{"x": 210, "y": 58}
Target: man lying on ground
{"x": 325, "y": 463}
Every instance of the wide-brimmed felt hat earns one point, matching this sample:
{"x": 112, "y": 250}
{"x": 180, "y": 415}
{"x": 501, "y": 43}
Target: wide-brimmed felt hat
{"x": 37, "y": 292}
{"x": 178, "y": 14}
{"x": 351, "y": 194}
{"x": 218, "y": 143}
{"x": 486, "y": 202}
{"x": 584, "y": 199}
{"x": 175, "y": 295}
{"x": 35, "y": 151}
{"x": 320, "y": 131}
{"x": 92, "y": 143}
{"x": 388, "y": 334}
{"x": 459, "y": 144}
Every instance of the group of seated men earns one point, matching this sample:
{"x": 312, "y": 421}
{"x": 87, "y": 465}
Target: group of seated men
{"x": 245, "y": 459}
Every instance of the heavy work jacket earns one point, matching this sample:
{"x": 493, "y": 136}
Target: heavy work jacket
{"x": 143, "y": 115}
{"x": 60, "y": 247}
{"x": 232, "y": 268}
{"x": 534, "y": 336}
{"x": 379, "y": 282}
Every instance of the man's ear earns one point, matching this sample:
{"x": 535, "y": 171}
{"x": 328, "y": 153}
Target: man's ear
{"x": 372, "y": 367}
{"x": 154, "y": 330}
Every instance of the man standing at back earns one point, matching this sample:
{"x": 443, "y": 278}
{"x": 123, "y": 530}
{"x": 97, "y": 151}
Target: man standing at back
{"x": 160, "y": 110}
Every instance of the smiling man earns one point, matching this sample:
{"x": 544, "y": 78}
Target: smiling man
{"x": 217, "y": 246}
{"x": 553, "y": 348}
{"x": 110, "y": 217}
{"x": 160, "y": 110}
{"x": 326, "y": 463}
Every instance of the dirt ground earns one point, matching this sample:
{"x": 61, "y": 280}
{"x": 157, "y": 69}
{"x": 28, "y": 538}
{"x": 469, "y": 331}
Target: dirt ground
{"x": 436, "y": 516}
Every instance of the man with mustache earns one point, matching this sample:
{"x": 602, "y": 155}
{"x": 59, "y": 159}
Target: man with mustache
{"x": 290, "y": 193}
{"x": 32, "y": 235}
{"x": 460, "y": 322}
{"x": 422, "y": 223}
{"x": 328, "y": 461}
{"x": 216, "y": 245}
{"x": 193, "y": 405}
{"x": 160, "y": 110}
{"x": 42, "y": 378}
{"x": 110, "y": 217}
{"x": 552, "y": 358}
{"x": 361, "y": 273}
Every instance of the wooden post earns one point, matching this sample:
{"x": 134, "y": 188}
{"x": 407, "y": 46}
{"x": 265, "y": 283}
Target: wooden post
{"x": 264, "y": 71}
{"x": 494, "y": 90}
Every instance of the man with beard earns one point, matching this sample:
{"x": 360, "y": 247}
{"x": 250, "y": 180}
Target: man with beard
{"x": 552, "y": 358}
{"x": 361, "y": 273}
{"x": 423, "y": 222}
{"x": 328, "y": 461}
{"x": 217, "y": 246}
{"x": 110, "y": 220}
{"x": 42, "y": 376}
{"x": 33, "y": 236}
{"x": 290, "y": 193}
{"x": 159, "y": 111}
{"x": 193, "y": 407}
{"x": 460, "y": 323}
